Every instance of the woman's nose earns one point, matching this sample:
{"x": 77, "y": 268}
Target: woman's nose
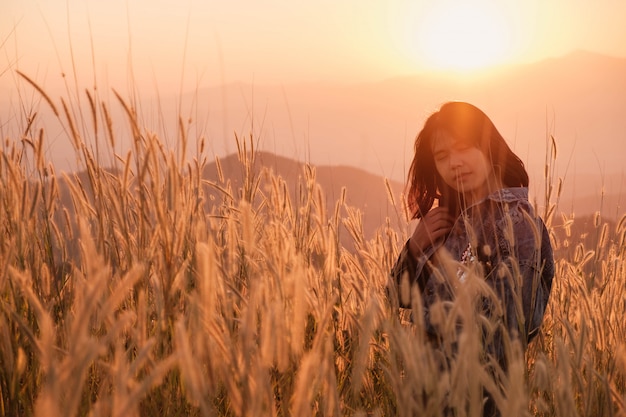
{"x": 455, "y": 160}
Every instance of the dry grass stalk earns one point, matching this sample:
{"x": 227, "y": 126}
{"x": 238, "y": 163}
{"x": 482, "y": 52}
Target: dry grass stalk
{"x": 154, "y": 290}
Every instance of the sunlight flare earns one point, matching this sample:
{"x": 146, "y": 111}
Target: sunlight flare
{"x": 461, "y": 36}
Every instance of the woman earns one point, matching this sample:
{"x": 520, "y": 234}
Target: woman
{"x": 483, "y": 224}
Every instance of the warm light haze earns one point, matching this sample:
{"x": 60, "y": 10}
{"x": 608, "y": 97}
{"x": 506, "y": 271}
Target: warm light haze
{"x": 463, "y": 36}
{"x": 218, "y": 208}
{"x": 341, "y": 83}
{"x": 210, "y": 42}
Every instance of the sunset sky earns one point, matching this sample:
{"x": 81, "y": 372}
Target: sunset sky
{"x": 212, "y": 41}
{"x": 293, "y": 68}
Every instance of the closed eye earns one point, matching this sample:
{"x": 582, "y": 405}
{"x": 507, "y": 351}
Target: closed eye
{"x": 441, "y": 155}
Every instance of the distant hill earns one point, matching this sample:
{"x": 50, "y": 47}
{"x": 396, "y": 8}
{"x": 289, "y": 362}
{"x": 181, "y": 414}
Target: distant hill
{"x": 364, "y": 191}
{"x": 368, "y": 193}
{"x": 579, "y": 98}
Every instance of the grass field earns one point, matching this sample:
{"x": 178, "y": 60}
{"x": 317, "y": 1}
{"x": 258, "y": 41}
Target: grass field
{"x": 143, "y": 288}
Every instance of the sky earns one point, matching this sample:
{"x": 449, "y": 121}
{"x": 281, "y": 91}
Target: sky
{"x": 174, "y": 45}
{"x": 167, "y": 47}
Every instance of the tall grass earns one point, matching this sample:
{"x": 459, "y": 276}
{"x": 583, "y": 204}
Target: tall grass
{"x": 145, "y": 288}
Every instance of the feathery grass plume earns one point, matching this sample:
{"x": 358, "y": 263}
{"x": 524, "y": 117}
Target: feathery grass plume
{"x": 183, "y": 140}
{"x": 220, "y": 174}
{"x": 196, "y": 386}
{"x": 551, "y": 197}
{"x": 564, "y": 398}
{"x": 366, "y": 328}
{"x": 132, "y": 118}
{"x": 315, "y": 375}
{"x": 109, "y": 125}
{"x": 29, "y": 123}
{"x": 39, "y": 157}
{"x": 94, "y": 118}
{"x": 75, "y": 138}
{"x": 128, "y": 292}
{"x": 40, "y": 91}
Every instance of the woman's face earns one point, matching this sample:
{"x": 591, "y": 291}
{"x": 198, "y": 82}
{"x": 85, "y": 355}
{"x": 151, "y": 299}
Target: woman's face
{"x": 462, "y": 166}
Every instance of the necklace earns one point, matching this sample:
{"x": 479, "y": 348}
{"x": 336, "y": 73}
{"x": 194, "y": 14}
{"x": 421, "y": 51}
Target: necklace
{"x": 467, "y": 258}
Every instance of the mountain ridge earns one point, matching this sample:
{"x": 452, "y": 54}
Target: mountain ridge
{"x": 578, "y": 98}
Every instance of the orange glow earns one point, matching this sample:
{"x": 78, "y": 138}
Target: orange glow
{"x": 462, "y": 36}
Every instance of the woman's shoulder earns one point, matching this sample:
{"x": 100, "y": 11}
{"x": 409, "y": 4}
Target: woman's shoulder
{"x": 513, "y": 204}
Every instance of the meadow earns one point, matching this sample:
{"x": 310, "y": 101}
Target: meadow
{"x": 142, "y": 288}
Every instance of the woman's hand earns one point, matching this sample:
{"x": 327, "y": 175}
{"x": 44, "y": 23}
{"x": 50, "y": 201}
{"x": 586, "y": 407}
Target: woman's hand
{"x": 436, "y": 224}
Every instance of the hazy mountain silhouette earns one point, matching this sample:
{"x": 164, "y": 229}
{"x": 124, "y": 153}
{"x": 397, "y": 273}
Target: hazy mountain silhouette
{"x": 369, "y": 194}
{"x": 579, "y": 98}
{"x": 364, "y": 191}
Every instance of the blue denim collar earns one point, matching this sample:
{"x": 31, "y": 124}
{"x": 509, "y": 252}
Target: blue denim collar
{"x": 504, "y": 195}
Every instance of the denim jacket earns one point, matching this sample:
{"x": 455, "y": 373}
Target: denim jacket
{"x": 509, "y": 244}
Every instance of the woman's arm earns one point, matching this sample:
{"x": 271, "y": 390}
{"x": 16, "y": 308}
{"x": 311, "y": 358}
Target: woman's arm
{"x": 526, "y": 251}
{"x": 537, "y": 278}
{"x": 412, "y": 260}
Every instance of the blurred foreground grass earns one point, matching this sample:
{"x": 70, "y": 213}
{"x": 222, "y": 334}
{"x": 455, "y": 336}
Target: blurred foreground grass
{"x": 144, "y": 288}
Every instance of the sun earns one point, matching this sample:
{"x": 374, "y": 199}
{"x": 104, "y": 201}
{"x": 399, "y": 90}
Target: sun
{"x": 461, "y": 35}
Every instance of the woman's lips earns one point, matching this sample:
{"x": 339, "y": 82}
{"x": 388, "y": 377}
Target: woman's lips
{"x": 461, "y": 177}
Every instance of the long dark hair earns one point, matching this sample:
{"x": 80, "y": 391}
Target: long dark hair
{"x": 468, "y": 123}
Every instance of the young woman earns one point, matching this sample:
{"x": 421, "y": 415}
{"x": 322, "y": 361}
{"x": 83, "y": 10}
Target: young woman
{"x": 482, "y": 223}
